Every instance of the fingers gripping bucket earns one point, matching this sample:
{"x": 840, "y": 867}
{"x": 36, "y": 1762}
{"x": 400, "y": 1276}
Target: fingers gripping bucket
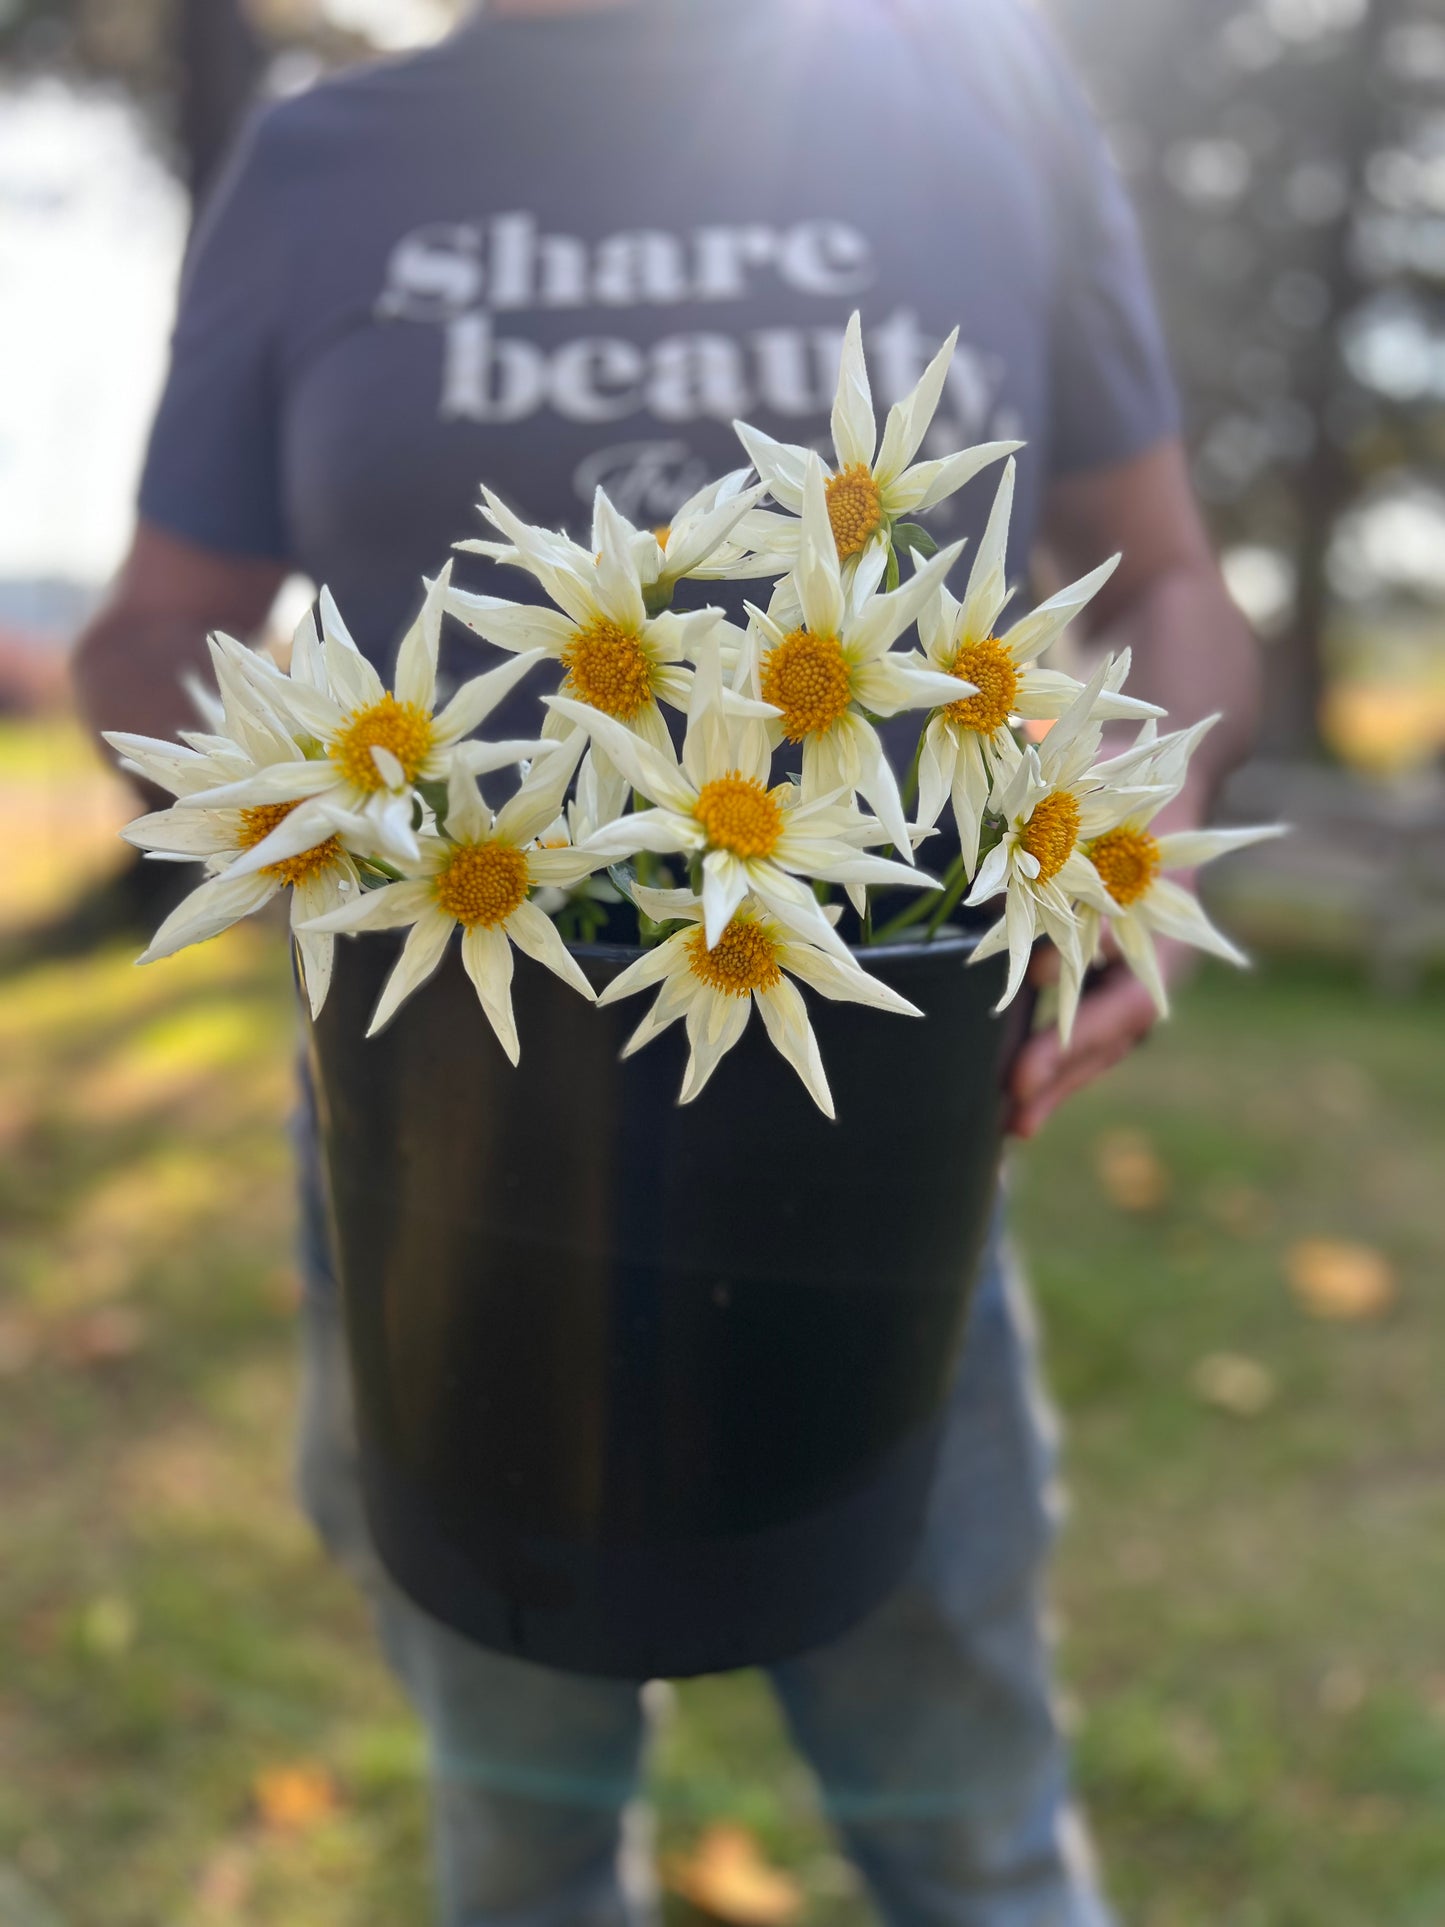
{"x": 646, "y": 1390}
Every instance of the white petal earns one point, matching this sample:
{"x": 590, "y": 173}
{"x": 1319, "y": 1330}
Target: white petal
{"x": 388, "y": 908}
{"x": 565, "y": 867}
{"x": 656, "y": 776}
{"x": 181, "y": 771}
{"x": 308, "y": 664}
{"x": 661, "y": 831}
{"x": 557, "y": 564}
{"x": 540, "y": 938}
{"x": 650, "y": 968}
{"x": 711, "y": 1040}
{"x": 512, "y": 625}
{"x": 724, "y": 885}
{"x": 1020, "y": 926}
{"x": 937, "y": 761}
{"x": 970, "y": 795}
{"x": 1035, "y": 633}
{"x": 909, "y": 419}
{"x": 880, "y": 786}
{"x": 1174, "y": 913}
{"x": 1137, "y": 947}
{"x": 694, "y": 542}
{"x": 183, "y": 832}
{"x": 207, "y": 911}
{"x": 488, "y": 959}
{"x": 855, "y": 432}
{"x": 619, "y": 591}
{"x": 671, "y": 1003}
{"x": 352, "y": 680}
{"x": 992, "y": 874}
{"x": 819, "y": 585}
{"x": 881, "y": 620}
{"x": 665, "y": 905}
{"x": 988, "y": 580}
{"x": 845, "y": 983}
{"x": 537, "y": 800}
{"x": 476, "y": 758}
{"x": 782, "y": 465}
{"x": 317, "y": 956}
{"x": 1187, "y": 849}
{"x": 416, "y": 660}
{"x": 795, "y": 907}
{"x": 928, "y": 483}
{"x": 787, "y": 1024}
{"x": 277, "y": 783}
{"x": 476, "y": 700}
{"x": 388, "y": 767}
{"x": 306, "y": 826}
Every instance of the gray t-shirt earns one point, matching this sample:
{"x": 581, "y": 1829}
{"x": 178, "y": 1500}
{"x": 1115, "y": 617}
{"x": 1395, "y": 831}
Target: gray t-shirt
{"x": 567, "y": 250}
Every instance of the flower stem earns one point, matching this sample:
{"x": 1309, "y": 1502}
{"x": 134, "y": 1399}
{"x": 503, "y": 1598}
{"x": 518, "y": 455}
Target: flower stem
{"x": 910, "y": 782}
{"x": 915, "y": 913}
{"x": 955, "y": 882}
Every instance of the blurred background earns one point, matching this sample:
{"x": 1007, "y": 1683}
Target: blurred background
{"x": 1238, "y": 1241}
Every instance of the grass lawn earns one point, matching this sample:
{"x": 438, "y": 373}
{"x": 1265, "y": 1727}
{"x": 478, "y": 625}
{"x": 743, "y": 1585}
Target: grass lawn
{"x": 194, "y": 1729}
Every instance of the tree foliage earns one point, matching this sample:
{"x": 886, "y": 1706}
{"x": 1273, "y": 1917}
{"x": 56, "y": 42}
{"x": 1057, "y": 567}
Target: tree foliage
{"x": 1288, "y": 160}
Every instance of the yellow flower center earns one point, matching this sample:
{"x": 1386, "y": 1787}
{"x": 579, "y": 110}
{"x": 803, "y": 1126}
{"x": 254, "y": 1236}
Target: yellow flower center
{"x": 1127, "y": 861}
{"x": 258, "y": 823}
{"x": 854, "y": 508}
{"x": 482, "y": 883}
{"x": 806, "y": 677}
{"x": 607, "y": 667}
{"x": 989, "y": 665}
{"x": 662, "y": 534}
{"x": 741, "y": 961}
{"x": 403, "y": 728}
{"x": 738, "y": 813}
{"x": 1051, "y": 832}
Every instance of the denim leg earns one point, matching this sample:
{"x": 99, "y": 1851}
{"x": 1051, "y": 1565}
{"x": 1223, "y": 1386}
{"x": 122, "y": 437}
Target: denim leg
{"x": 930, "y": 1725}
{"x": 532, "y": 1769}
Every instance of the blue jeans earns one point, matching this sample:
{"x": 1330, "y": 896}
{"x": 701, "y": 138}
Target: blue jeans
{"x": 929, "y": 1726}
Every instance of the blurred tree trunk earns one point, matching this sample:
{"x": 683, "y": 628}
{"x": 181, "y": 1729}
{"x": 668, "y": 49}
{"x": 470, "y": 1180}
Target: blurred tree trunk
{"x": 1328, "y": 483}
{"x": 221, "y": 59}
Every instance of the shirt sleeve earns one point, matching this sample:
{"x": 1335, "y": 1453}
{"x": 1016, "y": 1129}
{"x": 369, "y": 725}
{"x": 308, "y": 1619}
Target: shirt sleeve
{"x": 1112, "y": 389}
{"x": 212, "y": 468}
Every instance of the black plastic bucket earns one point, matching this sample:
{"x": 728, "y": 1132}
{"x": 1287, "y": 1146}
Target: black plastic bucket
{"x": 646, "y": 1390}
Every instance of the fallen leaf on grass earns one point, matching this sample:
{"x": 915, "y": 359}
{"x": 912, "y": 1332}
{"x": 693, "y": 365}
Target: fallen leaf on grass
{"x": 19, "y": 1343}
{"x": 726, "y": 1876}
{"x": 293, "y": 1798}
{"x": 1332, "y": 1278}
{"x": 1235, "y": 1384}
{"x": 225, "y": 1882}
{"x": 1130, "y": 1172}
{"x": 101, "y": 1337}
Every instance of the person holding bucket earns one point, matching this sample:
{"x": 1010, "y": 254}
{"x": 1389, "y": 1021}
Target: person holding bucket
{"x": 568, "y": 247}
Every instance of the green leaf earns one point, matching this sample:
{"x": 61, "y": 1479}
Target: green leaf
{"x": 434, "y": 795}
{"x": 909, "y": 535}
{"x": 890, "y": 579}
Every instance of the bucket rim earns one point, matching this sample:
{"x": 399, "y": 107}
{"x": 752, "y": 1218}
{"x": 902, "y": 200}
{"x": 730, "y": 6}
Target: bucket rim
{"x": 951, "y": 942}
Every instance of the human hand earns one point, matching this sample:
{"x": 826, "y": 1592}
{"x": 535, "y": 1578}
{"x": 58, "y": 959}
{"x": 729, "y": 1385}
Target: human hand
{"x": 1116, "y": 1013}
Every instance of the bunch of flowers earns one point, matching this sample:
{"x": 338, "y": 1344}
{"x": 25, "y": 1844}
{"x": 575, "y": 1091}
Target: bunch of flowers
{"x": 729, "y": 790}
